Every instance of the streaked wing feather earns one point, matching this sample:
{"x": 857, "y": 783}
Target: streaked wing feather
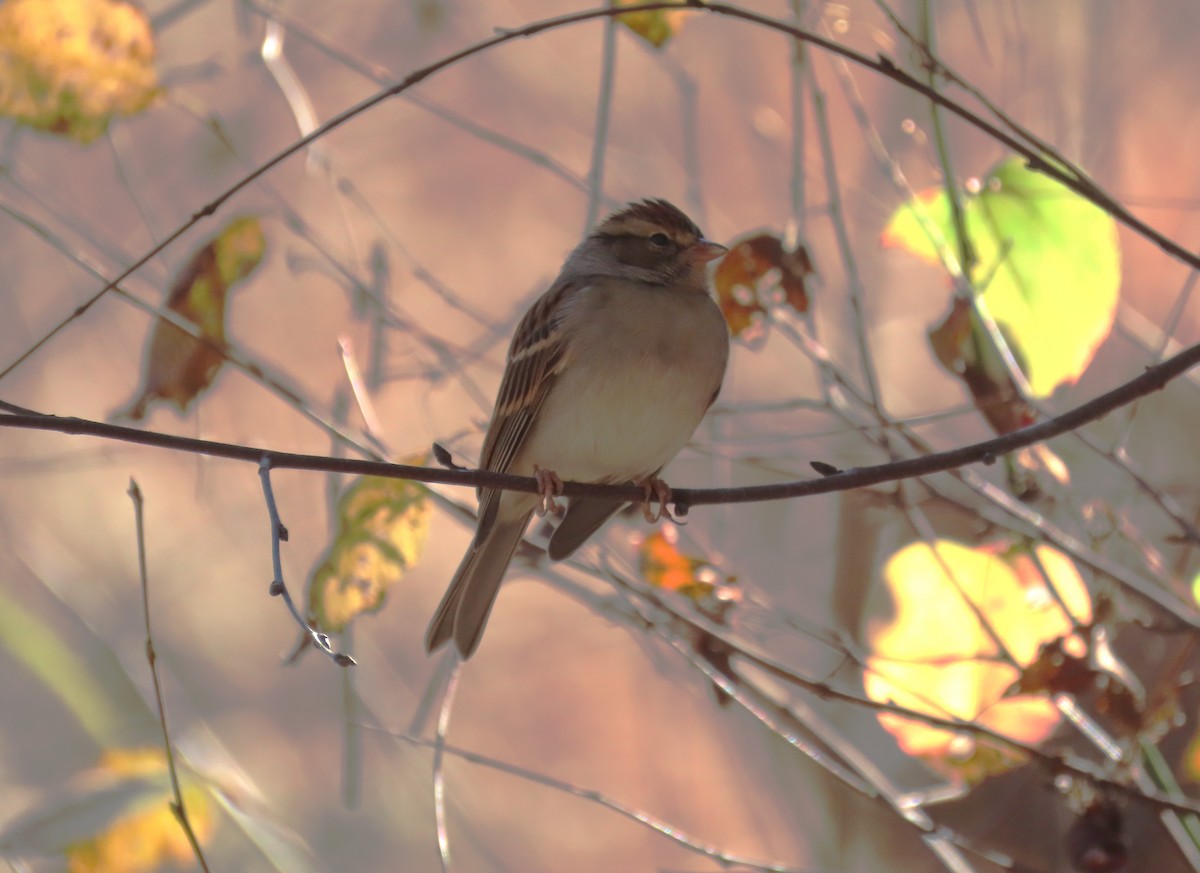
{"x": 534, "y": 359}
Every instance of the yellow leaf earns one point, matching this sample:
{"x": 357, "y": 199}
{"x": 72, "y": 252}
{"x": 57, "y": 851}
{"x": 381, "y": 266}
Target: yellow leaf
{"x": 115, "y": 817}
{"x": 150, "y": 836}
{"x": 931, "y": 652}
{"x": 382, "y": 527}
{"x": 655, "y": 26}
{"x": 1048, "y": 266}
{"x": 68, "y": 67}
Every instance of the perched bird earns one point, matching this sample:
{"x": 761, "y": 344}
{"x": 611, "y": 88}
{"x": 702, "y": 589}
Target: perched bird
{"x": 177, "y": 366}
{"x": 607, "y": 377}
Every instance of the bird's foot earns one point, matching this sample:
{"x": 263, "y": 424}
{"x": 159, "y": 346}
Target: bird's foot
{"x": 549, "y": 488}
{"x": 659, "y": 490}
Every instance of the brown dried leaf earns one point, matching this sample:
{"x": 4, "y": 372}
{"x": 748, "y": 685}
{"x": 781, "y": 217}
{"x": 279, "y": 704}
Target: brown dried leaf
{"x": 962, "y": 348}
{"x": 759, "y": 272}
{"x": 178, "y": 366}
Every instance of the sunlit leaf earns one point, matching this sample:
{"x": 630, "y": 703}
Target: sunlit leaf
{"x": 177, "y": 366}
{"x": 149, "y": 835}
{"x": 68, "y": 67}
{"x": 115, "y": 818}
{"x": 931, "y": 653}
{"x": 664, "y": 566}
{"x": 655, "y": 26}
{"x": 82, "y": 673}
{"x": 382, "y": 528}
{"x": 1048, "y": 269}
{"x": 759, "y": 272}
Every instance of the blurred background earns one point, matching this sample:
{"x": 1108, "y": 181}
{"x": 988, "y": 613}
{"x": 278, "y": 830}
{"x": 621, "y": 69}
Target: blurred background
{"x": 409, "y": 241}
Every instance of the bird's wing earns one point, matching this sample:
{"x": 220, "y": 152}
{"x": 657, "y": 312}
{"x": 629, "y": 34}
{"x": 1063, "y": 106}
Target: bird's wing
{"x": 535, "y": 358}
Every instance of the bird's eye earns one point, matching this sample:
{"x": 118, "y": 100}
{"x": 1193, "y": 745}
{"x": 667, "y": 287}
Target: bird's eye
{"x": 660, "y": 240}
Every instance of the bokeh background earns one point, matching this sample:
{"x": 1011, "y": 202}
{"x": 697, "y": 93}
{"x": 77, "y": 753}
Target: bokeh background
{"x": 457, "y": 202}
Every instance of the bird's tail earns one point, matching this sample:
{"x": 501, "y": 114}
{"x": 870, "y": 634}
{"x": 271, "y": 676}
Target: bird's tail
{"x": 468, "y": 602}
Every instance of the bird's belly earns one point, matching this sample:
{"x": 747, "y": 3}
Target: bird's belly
{"x": 618, "y": 425}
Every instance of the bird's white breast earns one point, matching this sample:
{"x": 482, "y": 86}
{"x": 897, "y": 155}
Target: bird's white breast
{"x": 642, "y": 366}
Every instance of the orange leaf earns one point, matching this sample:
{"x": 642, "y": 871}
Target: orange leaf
{"x": 663, "y": 566}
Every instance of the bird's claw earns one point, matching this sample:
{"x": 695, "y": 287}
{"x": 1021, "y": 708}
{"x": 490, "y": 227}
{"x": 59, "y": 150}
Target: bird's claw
{"x": 550, "y": 486}
{"x": 659, "y": 490}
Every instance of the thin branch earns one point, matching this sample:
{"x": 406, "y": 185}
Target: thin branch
{"x": 604, "y": 98}
{"x": 800, "y": 66}
{"x": 439, "y": 751}
{"x": 966, "y": 253}
{"x": 1021, "y": 141}
{"x": 382, "y": 76}
{"x": 278, "y": 586}
{"x": 230, "y": 353}
{"x": 837, "y": 219}
{"x": 987, "y": 452}
{"x": 950, "y": 263}
{"x": 655, "y": 824}
{"x": 177, "y": 807}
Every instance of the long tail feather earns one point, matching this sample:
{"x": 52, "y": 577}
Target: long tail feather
{"x": 464, "y": 610}
{"x": 584, "y": 517}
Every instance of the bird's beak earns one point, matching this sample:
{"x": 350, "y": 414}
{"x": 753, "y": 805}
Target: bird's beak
{"x": 702, "y": 251}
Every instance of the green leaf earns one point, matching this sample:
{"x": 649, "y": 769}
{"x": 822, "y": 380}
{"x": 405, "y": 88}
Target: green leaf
{"x": 1048, "y": 265}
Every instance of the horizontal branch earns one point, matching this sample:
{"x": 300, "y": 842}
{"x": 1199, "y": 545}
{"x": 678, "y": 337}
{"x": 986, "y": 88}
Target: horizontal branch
{"x": 987, "y": 452}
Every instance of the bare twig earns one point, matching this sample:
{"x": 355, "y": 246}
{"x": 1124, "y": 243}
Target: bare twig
{"x": 177, "y": 807}
{"x": 439, "y": 750}
{"x": 278, "y": 587}
{"x": 1020, "y": 141}
{"x": 659, "y": 826}
{"x": 604, "y": 97}
{"x": 837, "y": 218}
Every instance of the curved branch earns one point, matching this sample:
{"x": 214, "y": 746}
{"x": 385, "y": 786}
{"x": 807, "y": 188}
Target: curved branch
{"x": 987, "y": 451}
{"x": 1060, "y": 170}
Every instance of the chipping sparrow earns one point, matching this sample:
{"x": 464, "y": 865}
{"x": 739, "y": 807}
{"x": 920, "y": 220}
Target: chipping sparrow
{"x": 607, "y": 377}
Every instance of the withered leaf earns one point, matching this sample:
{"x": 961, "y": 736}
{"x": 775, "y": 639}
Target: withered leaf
{"x": 178, "y": 366}
{"x": 759, "y": 272}
{"x": 963, "y": 348}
